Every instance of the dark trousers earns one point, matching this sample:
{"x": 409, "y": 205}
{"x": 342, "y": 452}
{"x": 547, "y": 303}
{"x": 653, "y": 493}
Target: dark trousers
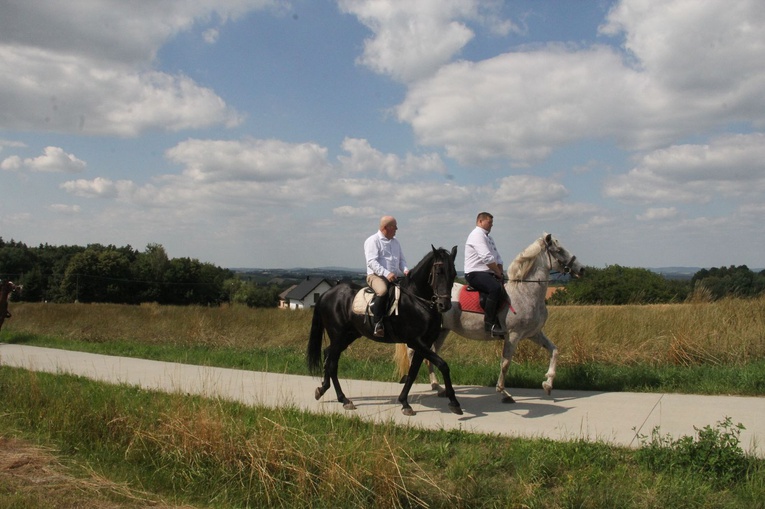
{"x": 487, "y": 283}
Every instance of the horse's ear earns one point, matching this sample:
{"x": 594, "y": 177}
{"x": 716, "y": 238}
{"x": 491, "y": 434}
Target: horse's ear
{"x": 548, "y": 238}
{"x": 435, "y": 251}
{"x": 454, "y": 253}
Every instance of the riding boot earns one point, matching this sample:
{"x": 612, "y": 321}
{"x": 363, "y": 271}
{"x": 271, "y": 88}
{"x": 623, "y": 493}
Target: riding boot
{"x": 490, "y": 322}
{"x": 378, "y": 311}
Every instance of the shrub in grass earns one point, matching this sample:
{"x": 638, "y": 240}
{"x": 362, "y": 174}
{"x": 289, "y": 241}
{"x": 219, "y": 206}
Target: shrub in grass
{"x": 715, "y": 452}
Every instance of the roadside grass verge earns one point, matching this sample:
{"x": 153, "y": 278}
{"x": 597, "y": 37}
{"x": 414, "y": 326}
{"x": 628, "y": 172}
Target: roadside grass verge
{"x": 212, "y": 453}
{"x": 701, "y": 348}
{"x": 746, "y": 380}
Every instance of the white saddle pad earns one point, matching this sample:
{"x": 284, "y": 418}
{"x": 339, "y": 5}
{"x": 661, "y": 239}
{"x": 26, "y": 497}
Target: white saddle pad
{"x": 364, "y": 297}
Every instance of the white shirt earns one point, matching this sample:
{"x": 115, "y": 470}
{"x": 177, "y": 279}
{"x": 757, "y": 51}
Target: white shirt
{"x": 480, "y": 251}
{"x": 384, "y": 256}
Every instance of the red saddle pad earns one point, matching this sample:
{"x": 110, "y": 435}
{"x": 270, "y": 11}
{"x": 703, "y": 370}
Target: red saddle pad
{"x": 469, "y": 300}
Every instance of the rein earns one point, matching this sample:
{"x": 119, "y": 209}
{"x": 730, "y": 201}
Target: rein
{"x": 432, "y": 283}
{"x": 566, "y": 269}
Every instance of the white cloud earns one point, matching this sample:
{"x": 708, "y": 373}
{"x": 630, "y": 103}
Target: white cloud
{"x": 728, "y": 165}
{"x": 61, "y": 208}
{"x": 99, "y": 187}
{"x": 10, "y": 143}
{"x": 659, "y": 213}
{"x": 521, "y": 106}
{"x": 113, "y": 30}
{"x": 53, "y": 160}
{"x": 413, "y": 39}
{"x": 365, "y": 159}
{"x": 524, "y": 104}
{"x": 211, "y": 35}
{"x": 86, "y": 67}
{"x": 249, "y": 160}
{"x": 348, "y": 211}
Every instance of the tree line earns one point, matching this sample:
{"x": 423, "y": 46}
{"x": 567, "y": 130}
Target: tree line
{"x": 123, "y": 275}
{"x": 110, "y": 274}
{"x": 615, "y": 285}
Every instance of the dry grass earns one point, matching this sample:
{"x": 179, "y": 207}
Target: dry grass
{"x": 33, "y": 476}
{"x": 729, "y": 332}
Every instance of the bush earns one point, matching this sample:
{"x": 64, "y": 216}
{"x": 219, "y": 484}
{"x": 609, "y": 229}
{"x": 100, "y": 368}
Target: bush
{"x": 715, "y": 453}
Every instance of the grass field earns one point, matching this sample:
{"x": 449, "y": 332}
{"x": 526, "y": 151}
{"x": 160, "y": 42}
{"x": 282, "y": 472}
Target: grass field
{"x": 104, "y": 446}
{"x": 705, "y": 348}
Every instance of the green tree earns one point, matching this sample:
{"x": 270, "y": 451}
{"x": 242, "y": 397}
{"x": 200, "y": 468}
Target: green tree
{"x": 730, "y": 281}
{"x": 149, "y": 272}
{"x": 621, "y": 285}
{"x": 97, "y": 274}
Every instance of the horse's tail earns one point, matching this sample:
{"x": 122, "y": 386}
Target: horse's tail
{"x": 315, "y": 340}
{"x": 401, "y": 358}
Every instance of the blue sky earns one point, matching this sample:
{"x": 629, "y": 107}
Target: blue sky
{"x": 268, "y": 133}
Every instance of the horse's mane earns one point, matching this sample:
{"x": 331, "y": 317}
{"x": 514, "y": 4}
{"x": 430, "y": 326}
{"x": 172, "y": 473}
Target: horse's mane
{"x": 523, "y": 263}
{"x": 419, "y": 267}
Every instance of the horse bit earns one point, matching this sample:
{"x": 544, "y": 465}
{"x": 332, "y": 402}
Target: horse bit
{"x": 432, "y": 283}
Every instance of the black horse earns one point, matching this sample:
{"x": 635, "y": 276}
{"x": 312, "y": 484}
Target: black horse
{"x": 425, "y": 294}
{"x": 6, "y": 289}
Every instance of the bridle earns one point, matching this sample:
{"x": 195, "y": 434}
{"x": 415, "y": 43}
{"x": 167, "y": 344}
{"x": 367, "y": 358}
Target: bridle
{"x": 434, "y": 271}
{"x": 567, "y": 265}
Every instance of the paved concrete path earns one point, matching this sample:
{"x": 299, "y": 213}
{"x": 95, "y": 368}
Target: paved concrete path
{"x": 612, "y": 418}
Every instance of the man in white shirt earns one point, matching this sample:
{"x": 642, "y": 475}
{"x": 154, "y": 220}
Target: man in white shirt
{"x": 484, "y": 270}
{"x": 385, "y": 263}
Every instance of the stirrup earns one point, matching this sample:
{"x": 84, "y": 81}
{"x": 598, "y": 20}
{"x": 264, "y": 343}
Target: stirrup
{"x": 495, "y": 329}
{"x": 497, "y": 332}
{"x": 379, "y": 331}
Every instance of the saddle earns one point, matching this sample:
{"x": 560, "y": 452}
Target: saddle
{"x": 364, "y": 297}
{"x": 472, "y": 301}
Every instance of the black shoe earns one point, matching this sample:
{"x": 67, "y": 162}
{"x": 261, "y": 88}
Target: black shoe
{"x": 379, "y": 330}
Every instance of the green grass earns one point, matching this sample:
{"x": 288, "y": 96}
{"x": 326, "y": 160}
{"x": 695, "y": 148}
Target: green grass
{"x": 211, "y": 453}
{"x": 746, "y": 380}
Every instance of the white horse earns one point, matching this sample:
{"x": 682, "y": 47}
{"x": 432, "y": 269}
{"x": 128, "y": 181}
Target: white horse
{"x": 529, "y": 275}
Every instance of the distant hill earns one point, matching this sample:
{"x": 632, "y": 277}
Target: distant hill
{"x": 285, "y": 276}
{"x": 685, "y": 272}
{"x": 676, "y": 272}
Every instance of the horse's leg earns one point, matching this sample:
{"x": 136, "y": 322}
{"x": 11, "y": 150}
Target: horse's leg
{"x": 443, "y": 367}
{"x": 331, "y": 362}
{"x": 403, "y": 398}
{"x": 542, "y": 340}
{"x": 508, "y": 350}
{"x": 431, "y": 372}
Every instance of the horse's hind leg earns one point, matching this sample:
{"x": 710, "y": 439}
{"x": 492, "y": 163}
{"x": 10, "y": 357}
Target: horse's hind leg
{"x": 403, "y": 398}
{"x": 431, "y": 371}
{"x": 542, "y": 340}
{"x": 443, "y": 367}
{"x": 331, "y": 361}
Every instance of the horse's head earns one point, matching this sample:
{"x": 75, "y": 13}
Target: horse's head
{"x": 561, "y": 260}
{"x": 441, "y": 278}
{"x": 8, "y": 287}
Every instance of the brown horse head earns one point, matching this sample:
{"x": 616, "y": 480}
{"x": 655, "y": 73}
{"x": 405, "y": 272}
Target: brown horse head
{"x": 6, "y": 289}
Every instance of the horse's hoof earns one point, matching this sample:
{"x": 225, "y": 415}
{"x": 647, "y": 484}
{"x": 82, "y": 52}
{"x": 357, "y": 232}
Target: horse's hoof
{"x": 547, "y": 386}
{"x": 508, "y": 399}
{"x": 456, "y": 409}
{"x": 318, "y": 394}
{"x": 408, "y": 411}
{"x": 348, "y": 405}
{"x": 441, "y": 393}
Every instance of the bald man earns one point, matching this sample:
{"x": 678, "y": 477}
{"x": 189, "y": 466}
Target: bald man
{"x": 385, "y": 263}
